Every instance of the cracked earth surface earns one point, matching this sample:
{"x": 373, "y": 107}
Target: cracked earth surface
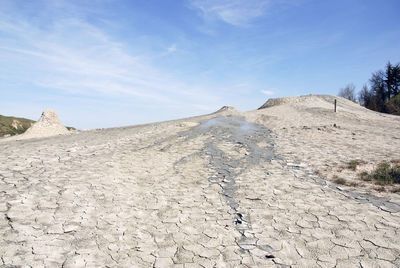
{"x": 178, "y": 195}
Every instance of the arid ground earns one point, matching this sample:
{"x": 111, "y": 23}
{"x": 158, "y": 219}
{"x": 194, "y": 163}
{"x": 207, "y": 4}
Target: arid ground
{"x": 229, "y": 189}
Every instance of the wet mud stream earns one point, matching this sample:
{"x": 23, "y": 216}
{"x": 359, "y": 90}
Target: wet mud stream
{"x": 226, "y": 168}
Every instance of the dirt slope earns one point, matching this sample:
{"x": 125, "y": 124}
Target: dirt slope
{"x": 309, "y": 132}
{"x": 229, "y": 189}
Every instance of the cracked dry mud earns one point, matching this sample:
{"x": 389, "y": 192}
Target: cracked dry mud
{"x": 177, "y": 195}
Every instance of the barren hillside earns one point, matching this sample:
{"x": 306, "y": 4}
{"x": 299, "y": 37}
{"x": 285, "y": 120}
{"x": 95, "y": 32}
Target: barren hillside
{"x": 230, "y": 189}
{"x": 310, "y": 133}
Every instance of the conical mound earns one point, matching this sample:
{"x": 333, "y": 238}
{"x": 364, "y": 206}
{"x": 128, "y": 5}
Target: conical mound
{"x": 227, "y": 110}
{"x": 48, "y": 125}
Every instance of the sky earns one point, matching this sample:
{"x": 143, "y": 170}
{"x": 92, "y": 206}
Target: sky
{"x": 109, "y": 63}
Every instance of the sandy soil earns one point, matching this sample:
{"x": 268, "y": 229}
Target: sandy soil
{"x": 229, "y": 189}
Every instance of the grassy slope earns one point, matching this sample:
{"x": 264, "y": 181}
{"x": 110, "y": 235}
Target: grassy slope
{"x": 7, "y": 128}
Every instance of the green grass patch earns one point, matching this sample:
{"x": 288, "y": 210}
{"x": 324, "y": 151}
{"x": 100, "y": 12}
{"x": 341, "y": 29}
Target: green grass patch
{"x": 384, "y": 173}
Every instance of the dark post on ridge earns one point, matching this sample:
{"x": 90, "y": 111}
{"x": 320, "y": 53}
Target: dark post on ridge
{"x": 335, "y": 105}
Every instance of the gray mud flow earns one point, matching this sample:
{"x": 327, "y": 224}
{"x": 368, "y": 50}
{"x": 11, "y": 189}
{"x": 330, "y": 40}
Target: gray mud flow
{"x": 225, "y": 169}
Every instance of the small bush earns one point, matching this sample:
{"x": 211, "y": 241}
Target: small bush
{"x": 340, "y": 181}
{"x": 393, "y": 105}
{"x": 381, "y": 173}
{"x": 384, "y": 173}
{"x": 365, "y": 176}
{"x": 395, "y": 173}
{"x": 353, "y": 164}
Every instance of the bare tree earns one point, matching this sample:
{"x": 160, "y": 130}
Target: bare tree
{"x": 365, "y": 96}
{"x": 348, "y": 92}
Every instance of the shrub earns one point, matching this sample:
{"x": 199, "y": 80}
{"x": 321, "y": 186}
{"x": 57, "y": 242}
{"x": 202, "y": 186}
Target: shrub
{"x": 395, "y": 174}
{"x": 384, "y": 173}
{"x": 340, "y": 181}
{"x": 353, "y": 164}
{"x": 381, "y": 173}
{"x": 393, "y": 105}
{"x": 365, "y": 176}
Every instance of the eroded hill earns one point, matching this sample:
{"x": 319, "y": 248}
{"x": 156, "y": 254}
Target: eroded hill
{"x": 10, "y": 125}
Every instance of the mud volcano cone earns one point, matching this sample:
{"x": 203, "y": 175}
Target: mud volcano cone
{"x": 48, "y": 125}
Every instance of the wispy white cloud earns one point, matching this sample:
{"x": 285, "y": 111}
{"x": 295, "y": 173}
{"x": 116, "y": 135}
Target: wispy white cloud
{"x": 235, "y": 12}
{"x": 268, "y": 92}
{"x": 172, "y": 48}
{"x": 75, "y": 56}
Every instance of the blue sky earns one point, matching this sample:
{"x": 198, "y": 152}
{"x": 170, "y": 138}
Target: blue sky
{"x": 113, "y": 62}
